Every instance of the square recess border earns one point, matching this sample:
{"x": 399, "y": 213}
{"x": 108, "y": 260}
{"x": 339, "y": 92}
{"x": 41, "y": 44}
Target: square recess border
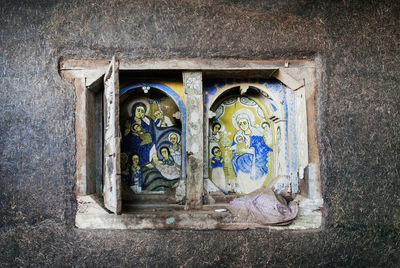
{"x": 299, "y": 75}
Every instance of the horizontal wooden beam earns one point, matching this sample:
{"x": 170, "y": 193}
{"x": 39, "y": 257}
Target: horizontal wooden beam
{"x": 186, "y": 64}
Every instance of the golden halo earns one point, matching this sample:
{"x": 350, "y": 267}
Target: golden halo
{"x": 177, "y": 135}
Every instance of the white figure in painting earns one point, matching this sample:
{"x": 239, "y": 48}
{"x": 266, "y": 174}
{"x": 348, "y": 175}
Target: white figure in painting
{"x": 250, "y": 152}
{"x": 166, "y": 165}
{"x": 175, "y": 147}
{"x": 267, "y": 133}
{"x": 162, "y": 120}
{"x": 278, "y": 145}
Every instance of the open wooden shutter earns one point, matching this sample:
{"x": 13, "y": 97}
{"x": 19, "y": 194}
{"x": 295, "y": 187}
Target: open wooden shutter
{"x": 112, "y": 138}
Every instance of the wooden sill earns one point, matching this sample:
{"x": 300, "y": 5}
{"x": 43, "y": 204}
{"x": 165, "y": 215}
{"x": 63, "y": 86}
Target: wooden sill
{"x": 91, "y": 215}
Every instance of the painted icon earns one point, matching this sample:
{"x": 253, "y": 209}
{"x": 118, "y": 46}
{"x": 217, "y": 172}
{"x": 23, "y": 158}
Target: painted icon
{"x": 240, "y": 143}
{"x": 151, "y": 144}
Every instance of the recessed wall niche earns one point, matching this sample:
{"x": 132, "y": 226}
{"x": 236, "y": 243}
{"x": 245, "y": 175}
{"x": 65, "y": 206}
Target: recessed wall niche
{"x": 190, "y": 136}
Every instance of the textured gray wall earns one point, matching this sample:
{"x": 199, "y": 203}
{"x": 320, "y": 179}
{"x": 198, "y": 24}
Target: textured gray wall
{"x": 358, "y": 113}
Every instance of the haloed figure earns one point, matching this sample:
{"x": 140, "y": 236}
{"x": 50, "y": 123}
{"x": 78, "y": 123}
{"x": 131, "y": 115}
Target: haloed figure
{"x": 241, "y": 145}
{"x": 217, "y": 165}
{"x": 136, "y": 181}
{"x": 267, "y": 133}
{"x": 175, "y": 147}
{"x": 214, "y": 135}
{"x": 139, "y": 135}
{"x": 253, "y": 163}
{"x": 162, "y": 120}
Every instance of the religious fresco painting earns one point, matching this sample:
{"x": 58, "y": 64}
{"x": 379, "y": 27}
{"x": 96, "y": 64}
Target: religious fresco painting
{"x": 242, "y": 138}
{"x": 151, "y": 128}
{"x": 240, "y": 143}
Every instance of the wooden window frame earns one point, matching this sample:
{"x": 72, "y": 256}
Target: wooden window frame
{"x": 89, "y": 77}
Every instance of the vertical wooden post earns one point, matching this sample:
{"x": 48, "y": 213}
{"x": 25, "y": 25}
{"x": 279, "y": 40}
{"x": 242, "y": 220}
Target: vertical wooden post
{"x": 81, "y": 136}
{"x": 112, "y": 140}
{"x": 192, "y": 82}
{"x": 292, "y": 141}
{"x": 301, "y": 131}
{"x": 85, "y": 183}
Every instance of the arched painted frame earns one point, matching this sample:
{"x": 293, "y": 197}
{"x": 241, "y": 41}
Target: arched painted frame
{"x": 178, "y": 101}
{"x": 281, "y": 109}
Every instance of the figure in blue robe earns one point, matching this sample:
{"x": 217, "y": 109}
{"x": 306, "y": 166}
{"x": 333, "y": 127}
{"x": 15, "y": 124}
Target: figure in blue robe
{"x": 253, "y": 162}
{"x": 133, "y": 143}
{"x": 136, "y": 180}
{"x": 254, "y": 159}
{"x": 217, "y": 162}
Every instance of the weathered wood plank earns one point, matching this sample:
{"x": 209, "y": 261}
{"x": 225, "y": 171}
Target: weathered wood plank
{"x": 91, "y": 215}
{"x": 81, "y": 136}
{"x": 186, "y": 64}
{"x": 74, "y": 64}
{"x": 112, "y": 138}
{"x": 287, "y": 79}
{"x": 301, "y": 128}
{"x": 89, "y": 74}
{"x": 211, "y": 64}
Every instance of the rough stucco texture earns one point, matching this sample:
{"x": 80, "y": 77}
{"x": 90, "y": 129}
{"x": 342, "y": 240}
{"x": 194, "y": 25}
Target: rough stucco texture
{"x": 357, "y": 44}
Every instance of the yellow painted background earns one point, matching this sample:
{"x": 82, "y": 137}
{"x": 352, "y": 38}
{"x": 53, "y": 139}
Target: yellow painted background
{"x": 228, "y": 127}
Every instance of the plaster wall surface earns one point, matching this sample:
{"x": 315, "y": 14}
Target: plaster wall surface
{"x": 356, "y": 45}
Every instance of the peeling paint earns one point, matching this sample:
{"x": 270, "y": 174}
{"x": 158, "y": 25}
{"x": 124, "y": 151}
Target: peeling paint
{"x": 170, "y": 220}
